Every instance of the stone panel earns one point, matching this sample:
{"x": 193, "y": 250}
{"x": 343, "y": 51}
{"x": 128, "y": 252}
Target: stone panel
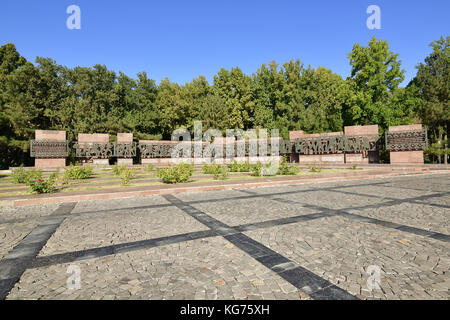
{"x": 366, "y": 156}
{"x": 360, "y": 130}
{"x": 295, "y": 134}
{"x": 49, "y": 162}
{"x": 408, "y": 127}
{"x": 328, "y": 158}
{"x": 93, "y": 138}
{"x": 50, "y": 135}
{"x": 413, "y": 156}
{"x": 124, "y": 138}
{"x": 127, "y": 162}
{"x": 406, "y": 157}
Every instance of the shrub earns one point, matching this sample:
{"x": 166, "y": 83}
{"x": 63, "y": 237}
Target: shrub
{"x": 118, "y": 170}
{"x": 316, "y": 168}
{"x": 77, "y": 172}
{"x": 211, "y": 168}
{"x": 239, "y": 167}
{"x": 221, "y": 173}
{"x": 270, "y": 172}
{"x": 256, "y": 169}
{"x": 286, "y": 170}
{"x": 126, "y": 175}
{"x": 179, "y": 173}
{"x": 20, "y": 175}
{"x": 43, "y": 186}
{"x": 150, "y": 167}
{"x": 354, "y": 166}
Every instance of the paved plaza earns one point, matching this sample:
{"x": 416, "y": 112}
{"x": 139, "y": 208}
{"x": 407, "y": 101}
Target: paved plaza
{"x": 384, "y": 238}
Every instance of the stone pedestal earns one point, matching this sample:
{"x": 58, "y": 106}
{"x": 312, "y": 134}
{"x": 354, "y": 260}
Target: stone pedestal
{"x": 319, "y": 158}
{"x": 125, "y": 138}
{"x": 405, "y": 157}
{"x": 50, "y": 136}
{"x": 364, "y": 156}
{"x": 127, "y": 162}
{"x": 49, "y": 162}
{"x": 294, "y": 157}
{"x": 331, "y": 158}
{"x": 100, "y": 162}
{"x": 157, "y": 161}
{"x": 91, "y": 138}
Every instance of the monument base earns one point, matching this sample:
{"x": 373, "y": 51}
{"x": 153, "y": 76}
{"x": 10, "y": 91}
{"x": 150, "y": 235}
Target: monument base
{"x": 100, "y": 162}
{"x": 127, "y": 162}
{"x": 355, "y": 158}
{"x": 328, "y": 158}
{"x": 169, "y": 161}
{"x": 406, "y": 157}
{"x": 49, "y": 162}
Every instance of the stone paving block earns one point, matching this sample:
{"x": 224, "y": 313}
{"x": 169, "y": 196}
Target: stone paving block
{"x": 330, "y": 233}
{"x": 187, "y": 260}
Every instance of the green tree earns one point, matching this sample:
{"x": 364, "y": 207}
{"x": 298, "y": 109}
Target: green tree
{"x": 432, "y": 86}
{"x": 235, "y": 88}
{"x": 322, "y": 96}
{"x": 375, "y": 76}
{"x": 10, "y": 148}
{"x": 172, "y": 107}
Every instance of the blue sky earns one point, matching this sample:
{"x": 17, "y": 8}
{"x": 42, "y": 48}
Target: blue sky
{"x": 181, "y": 40}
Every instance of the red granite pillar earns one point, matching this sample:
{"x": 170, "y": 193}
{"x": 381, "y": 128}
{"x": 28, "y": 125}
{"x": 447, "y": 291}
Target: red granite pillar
{"x": 125, "y": 138}
{"x": 364, "y": 156}
{"x": 410, "y": 156}
{"x": 51, "y": 136}
{"x": 91, "y": 138}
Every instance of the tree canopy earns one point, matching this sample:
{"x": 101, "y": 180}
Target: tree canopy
{"x": 290, "y": 96}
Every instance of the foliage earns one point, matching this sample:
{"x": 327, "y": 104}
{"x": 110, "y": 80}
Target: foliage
{"x": 126, "y": 175}
{"x": 375, "y": 76}
{"x": 117, "y": 170}
{"x": 256, "y": 169}
{"x": 42, "y": 185}
{"x": 176, "y": 174}
{"x": 239, "y": 167}
{"x": 436, "y": 150}
{"x": 149, "y": 167}
{"x": 78, "y": 172}
{"x": 210, "y": 168}
{"x": 20, "y": 175}
{"x": 289, "y": 96}
{"x": 354, "y": 166}
{"x": 219, "y": 172}
{"x": 432, "y": 86}
{"x": 286, "y": 170}
{"x": 316, "y": 167}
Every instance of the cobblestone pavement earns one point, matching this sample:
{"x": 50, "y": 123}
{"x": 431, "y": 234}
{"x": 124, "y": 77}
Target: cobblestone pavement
{"x": 385, "y": 238}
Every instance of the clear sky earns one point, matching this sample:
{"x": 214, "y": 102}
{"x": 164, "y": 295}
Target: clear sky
{"x": 181, "y": 40}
